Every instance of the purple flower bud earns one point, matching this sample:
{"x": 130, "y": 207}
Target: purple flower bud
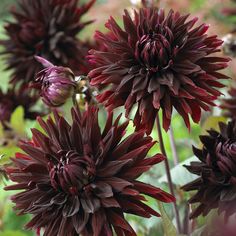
{"x": 57, "y": 83}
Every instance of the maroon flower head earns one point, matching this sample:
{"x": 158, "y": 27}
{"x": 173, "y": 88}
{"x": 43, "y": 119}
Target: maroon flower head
{"x": 216, "y": 185}
{"x": 158, "y": 62}
{"x": 229, "y": 11}
{"x": 15, "y": 97}
{"x": 56, "y": 83}
{"x": 219, "y": 228}
{"x": 46, "y": 28}
{"x": 77, "y": 180}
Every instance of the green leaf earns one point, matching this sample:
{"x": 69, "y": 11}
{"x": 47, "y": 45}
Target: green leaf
{"x": 12, "y": 232}
{"x": 17, "y": 120}
{"x": 200, "y": 231}
{"x": 197, "y": 4}
{"x": 180, "y": 175}
{"x": 6, "y": 152}
{"x": 1, "y": 131}
{"x": 168, "y": 226}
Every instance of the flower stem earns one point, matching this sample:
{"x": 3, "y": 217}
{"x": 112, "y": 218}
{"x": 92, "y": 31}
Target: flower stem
{"x": 173, "y": 147}
{"x": 167, "y": 167}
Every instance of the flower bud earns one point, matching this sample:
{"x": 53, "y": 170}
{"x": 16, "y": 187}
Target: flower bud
{"x": 56, "y": 83}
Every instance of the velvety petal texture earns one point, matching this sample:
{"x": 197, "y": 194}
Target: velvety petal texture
{"x": 78, "y": 180}
{"x": 158, "y": 61}
{"x": 46, "y": 28}
{"x": 216, "y": 185}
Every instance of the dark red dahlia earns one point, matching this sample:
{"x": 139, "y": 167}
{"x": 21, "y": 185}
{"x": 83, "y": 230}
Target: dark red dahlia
{"x": 229, "y": 104}
{"x": 158, "y": 62}
{"x": 46, "y": 28}
{"x": 230, "y": 11}
{"x": 15, "y": 97}
{"x": 77, "y": 180}
{"x": 216, "y": 185}
{"x": 220, "y": 228}
{"x": 56, "y": 83}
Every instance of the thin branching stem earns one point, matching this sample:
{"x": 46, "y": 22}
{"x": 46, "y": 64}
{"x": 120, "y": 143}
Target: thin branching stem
{"x": 173, "y": 147}
{"x": 167, "y": 167}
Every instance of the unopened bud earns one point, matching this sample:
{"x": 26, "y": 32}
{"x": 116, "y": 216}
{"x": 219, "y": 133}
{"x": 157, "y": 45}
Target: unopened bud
{"x": 56, "y": 83}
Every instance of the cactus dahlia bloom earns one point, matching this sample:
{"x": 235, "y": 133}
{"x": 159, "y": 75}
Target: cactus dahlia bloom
{"x": 216, "y": 185}
{"x": 158, "y": 61}
{"x": 77, "y": 180}
{"x": 46, "y": 28}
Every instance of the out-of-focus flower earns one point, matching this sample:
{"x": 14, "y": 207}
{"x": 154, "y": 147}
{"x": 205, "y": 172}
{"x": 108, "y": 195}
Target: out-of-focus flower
{"x": 229, "y": 104}
{"x": 56, "y": 83}
{"x": 229, "y": 11}
{"x": 229, "y": 45}
{"x": 216, "y": 185}
{"x": 77, "y": 180}
{"x": 15, "y": 97}
{"x": 46, "y": 28}
{"x": 221, "y": 228}
{"x": 158, "y": 62}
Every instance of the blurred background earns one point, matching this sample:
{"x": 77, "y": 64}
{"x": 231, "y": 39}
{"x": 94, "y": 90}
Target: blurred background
{"x": 209, "y": 11}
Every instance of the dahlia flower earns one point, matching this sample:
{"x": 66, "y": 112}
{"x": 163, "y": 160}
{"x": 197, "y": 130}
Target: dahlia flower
{"x": 216, "y": 185}
{"x": 77, "y": 180}
{"x": 220, "y": 228}
{"x": 56, "y": 83}
{"x": 46, "y": 28}
{"x": 158, "y": 62}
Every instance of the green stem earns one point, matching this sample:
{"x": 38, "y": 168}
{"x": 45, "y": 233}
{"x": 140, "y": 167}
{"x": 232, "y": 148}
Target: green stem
{"x": 167, "y": 167}
{"x": 173, "y": 147}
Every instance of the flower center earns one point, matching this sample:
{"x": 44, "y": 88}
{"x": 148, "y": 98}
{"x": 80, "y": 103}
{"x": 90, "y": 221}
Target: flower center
{"x": 153, "y": 50}
{"x": 226, "y": 157}
{"x": 72, "y": 173}
{"x": 229, "y": 149}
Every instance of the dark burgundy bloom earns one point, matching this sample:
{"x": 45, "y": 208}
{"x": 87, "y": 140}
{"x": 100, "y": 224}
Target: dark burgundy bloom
{"x": 229, "y": 11}
{"x": 156, "y": 62}
{"x": 15, "y": 97}
{"x": 216, "y": 185}
{"x": 229, "y": 104}
{"x": 77, "y": 180}
{"x": 220, "y": 228}
{"x": 46, "y": 28}
{"x": 56, "y": 83}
